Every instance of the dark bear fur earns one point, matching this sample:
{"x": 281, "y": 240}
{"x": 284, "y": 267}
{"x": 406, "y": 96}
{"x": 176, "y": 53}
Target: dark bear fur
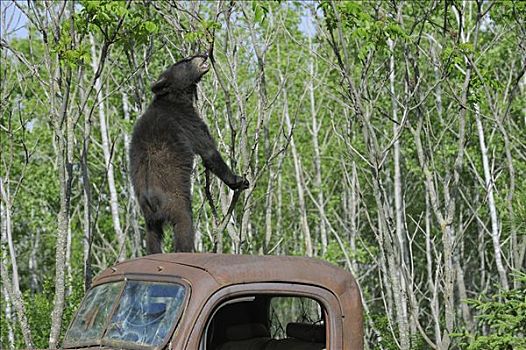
{"x": 165, "y": 139}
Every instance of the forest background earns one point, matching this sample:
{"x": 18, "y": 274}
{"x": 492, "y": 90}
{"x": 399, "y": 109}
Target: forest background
{"x": 387, "y": 137}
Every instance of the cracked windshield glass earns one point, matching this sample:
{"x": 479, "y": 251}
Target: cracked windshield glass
{"x": 144, "y": 315}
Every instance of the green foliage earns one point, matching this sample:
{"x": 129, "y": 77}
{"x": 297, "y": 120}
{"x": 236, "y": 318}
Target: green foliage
{"x": 65, "y": 50}
{"x": 115, "y": 20}
{"x": 363, "y": 26}
{"x": 386, "y": 337}
{"x": 260, "y": 11}
{"x": 336, "y": 256}
{"x": 102, "y": 15}
{"x": 501, "y": 320}
{"x": 38, "y": 307}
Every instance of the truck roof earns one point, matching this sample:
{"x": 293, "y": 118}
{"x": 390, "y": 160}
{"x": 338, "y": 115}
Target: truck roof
{"x": 225, "y": 269}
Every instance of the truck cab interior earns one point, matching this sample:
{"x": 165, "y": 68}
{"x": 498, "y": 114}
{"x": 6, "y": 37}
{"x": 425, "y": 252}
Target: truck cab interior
{"x": 267, "y": 322}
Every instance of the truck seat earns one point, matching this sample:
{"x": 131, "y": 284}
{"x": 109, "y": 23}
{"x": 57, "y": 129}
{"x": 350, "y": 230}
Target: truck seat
{"x": 250, "y": 336}
{"x": 300, "y": 336}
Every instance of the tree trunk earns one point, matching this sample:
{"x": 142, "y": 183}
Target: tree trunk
{"x": 300, "y": 182}
{"x": 63, "y": 133}
{"x": 65, "y": 177}
{"x": 136, "y": 241}
{"x": 495, "y": 234}
{"x": 12, "y": 287}
{"x": 18, "y": 303}
{"x": 108, "y": 154}
{"x": 86, "y": 201}
{"x": 353, "y": 214}
{"x": 318, "y": 185}
{"x": 432, "y": 278}
{"x": 33, "y": 262}
{"x": 268, "y": 210}
{"x": 461, "y": 285}
{"x": 9, "y": 319}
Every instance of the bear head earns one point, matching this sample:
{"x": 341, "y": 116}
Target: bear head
{"x": 182, "y": 76}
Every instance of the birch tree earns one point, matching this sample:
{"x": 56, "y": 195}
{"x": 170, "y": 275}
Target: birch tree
{"x": 386, "y": 138}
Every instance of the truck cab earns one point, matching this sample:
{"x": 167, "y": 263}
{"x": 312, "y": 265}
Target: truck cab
{"x": 220, "y": 302}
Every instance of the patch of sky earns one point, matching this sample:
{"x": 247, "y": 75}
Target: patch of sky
{"x": 487, "y": 24}
{"x": 30, "y": 125}
{"x": 307, "y": 25}
{"x": 14, "y": 21}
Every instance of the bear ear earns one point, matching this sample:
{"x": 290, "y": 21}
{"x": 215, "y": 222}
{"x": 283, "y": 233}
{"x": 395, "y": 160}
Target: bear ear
{"x": 160, "y": 87}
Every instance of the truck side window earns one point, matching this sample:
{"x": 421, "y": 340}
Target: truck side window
{"x": 293, "y": 310}
{"x": 264, "y": 322}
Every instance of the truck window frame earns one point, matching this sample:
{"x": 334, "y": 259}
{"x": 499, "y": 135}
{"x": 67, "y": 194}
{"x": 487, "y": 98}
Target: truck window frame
{"x": 327, "y": 299}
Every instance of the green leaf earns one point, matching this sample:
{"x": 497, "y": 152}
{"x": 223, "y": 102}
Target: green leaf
{"x": 150, "y": 27}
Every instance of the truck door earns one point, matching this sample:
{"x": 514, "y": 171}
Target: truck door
{"x": 269, "y": 316}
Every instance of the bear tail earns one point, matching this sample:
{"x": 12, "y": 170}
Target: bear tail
{"x": 150, "y": 204}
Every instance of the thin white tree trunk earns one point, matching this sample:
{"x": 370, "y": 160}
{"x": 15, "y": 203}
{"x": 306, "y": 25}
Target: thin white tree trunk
{"x": 353, "y": 214}
{"x": 236, "y": 237}
{"x": 317, "y": 159}
{"x": 114, "y": 200}
{"x": 279, "y": 212}
{"x": 432, "y": 280}
{"x": 6, "y": 229}
{"x": 515, "y": 252}
{"x": 18, "y": 303}
{"x": 33, "y": 262}
{"x": 521, "y": 247}
{"x": 274, "y": 176}
{"x": 64, "y": 171}
{"x": 86, "y": 239}
{"x": 432, "y": 277}
{"x": 495, "y": 234}
{"x": 69, "y": 275}
{"x": 12, "y": 287}
{"x": 136, "y": 242}
{"x": 63, "y": 124}
{"x": 9, "y": 319}
{"x": 300, "y": 183}
{"x": 86, "y": 200}
{"x": 462, "y": 292}
{"x": 398, "y": 195}
{"x": 246, "y": 232}
{"x": 397, "y": 181}
{"x": 268, "y": 210}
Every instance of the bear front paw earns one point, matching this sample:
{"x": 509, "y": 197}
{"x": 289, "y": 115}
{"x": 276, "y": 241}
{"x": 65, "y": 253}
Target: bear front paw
{"x": 240, "y": 183}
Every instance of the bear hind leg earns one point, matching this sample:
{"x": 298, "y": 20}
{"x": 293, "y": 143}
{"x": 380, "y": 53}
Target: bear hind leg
{"x": 183, "y": 230}
{"x": 154, "y": 237}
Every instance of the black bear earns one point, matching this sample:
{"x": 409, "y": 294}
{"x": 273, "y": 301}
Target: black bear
{"x": 165, "y": 139}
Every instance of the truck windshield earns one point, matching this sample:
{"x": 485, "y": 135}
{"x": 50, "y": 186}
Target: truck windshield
{"x": 89, "y": 324}
{"x": 136, "y": 312}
